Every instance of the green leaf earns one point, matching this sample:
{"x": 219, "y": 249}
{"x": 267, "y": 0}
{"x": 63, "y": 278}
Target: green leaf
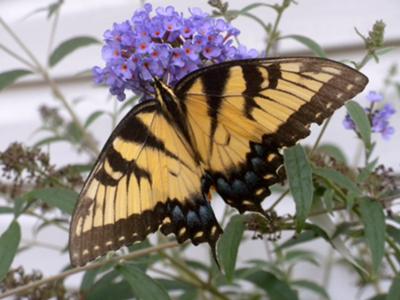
{"x": 296, "y": 256}
{"x": 367, "y": 170}
{"x": 325, "y": 223}
{"x": 309, "y": 43}
{"x": 373, "y": 218}
{"x": 189, "y": 295}
{"x": 143, "y": 286}
{"x": 93, "y": 116}
{"x": 103, "y": 286}
{"x": 9, "y": 242}
{"x": 327, "y": 199}
{"x": 50, "y": 9}
{"x": 6, "y": 210}
{"x": 394, "y": 291}
{"x": 170, "y": 285}
{"x": 361, "y": 121}
{"x": 299, "y": 174}
{"x": 56, "y": 197}
{"x": 53, "y": 7}
{"x": 88, "y": 280}
{"x": 49, "y": 140}
{"x": 393, "y": 232}
{"x": 9, "y": 77}
{"x": 338, "y": 178}
{"x": 333, "y": 151}
{"x": 275, "y": 288}
{"x": 69, "y": 46}
{"x": 312, "y": 286}
{"x": 310, "y": 233}
{"x": 228, "y": 245}
{"x": 110, "y": 290}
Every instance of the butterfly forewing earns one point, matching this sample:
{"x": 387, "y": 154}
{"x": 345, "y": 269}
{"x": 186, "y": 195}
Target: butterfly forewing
{"x": 243, "y": 112}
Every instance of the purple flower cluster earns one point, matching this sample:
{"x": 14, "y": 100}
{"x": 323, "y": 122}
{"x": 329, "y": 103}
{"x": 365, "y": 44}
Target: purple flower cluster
{"x": 379, "y": 116}
{"x": 166, "y": 45}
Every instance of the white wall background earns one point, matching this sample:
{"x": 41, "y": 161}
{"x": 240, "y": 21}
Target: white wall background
{"x": 331, "y": 23}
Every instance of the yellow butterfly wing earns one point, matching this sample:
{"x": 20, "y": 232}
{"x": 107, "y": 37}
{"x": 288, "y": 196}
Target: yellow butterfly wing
{"x": 241, "y": 113}
{"x": 145, "y": 178}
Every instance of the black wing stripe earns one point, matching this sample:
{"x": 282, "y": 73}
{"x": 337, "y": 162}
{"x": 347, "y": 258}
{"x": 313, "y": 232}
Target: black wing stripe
{"x": 254, "y": 80}
{"x": 214, "y": 85}
{"x": 274, "y": 74}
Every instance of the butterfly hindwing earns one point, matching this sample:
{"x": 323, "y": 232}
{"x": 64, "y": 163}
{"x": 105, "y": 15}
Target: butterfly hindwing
{"x": 243, "y": 112}
{"x": 145, "y": 178}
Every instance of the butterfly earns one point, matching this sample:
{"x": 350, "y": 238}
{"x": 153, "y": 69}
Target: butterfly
{"x": 220, "y": 127}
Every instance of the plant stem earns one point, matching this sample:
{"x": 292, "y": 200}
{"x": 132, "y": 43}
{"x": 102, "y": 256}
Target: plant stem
{"x": 20, "y": 43}
{"x": 194, "y": 276}
{"x": 277, "y": 201}
{"x": 363, "y": 62}
{"x": 321, "y": 133}
{"x": 19, "y": 58}
{"x": 390, "y": 263}
{"x": 53, "y": 31}
{"x": 328, "y": 269}
{"x": 273, "y": 34}
{"x": 91, "y": 266}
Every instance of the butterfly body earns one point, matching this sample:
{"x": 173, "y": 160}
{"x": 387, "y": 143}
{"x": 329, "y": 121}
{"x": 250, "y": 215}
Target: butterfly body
{"x": 220, "y": 127}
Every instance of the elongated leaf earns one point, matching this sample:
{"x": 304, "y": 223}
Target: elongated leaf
{"x": 70, "y": 46}
{"x": 338, "y": 178}
{"x": 9, "y": 242}
{"x": 143, "y": 286}
{"x": 393, "y": 232}
{"x": 6, "y": 210}
{"x": 325, "y": 222}
{"x": 373, "y": 219}
{"x": 333, "y": 151}
{"x": 275, "y": 288}
{"x": 394, "y": 291}
{"x": 189, "y": 295}
{"x": 361, "y": 121}
{"x": 310, "y": 233}
{"x": 367, "y": 170}
{"x": 110, "y": 290}
{"x": 299, "y": 173}
{"x": 9, "y": 77}
{"x": 50, "y": 140}
{"x": 312, "y": 286}
{"x": 170, "y": 285}
{"x": 228, "y": 245}
{"x": 56, "y": 197}
{"x": 309, "y": 43}
{"x": 93, "y": 116}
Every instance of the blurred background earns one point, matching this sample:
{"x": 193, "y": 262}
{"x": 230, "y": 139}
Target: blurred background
{"x": 330, "y": 23}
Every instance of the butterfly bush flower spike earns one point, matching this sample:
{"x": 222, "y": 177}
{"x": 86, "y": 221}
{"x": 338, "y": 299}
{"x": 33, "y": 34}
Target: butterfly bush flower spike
{"x": 166, "y": 45}
{"x": 379, "y": 117}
